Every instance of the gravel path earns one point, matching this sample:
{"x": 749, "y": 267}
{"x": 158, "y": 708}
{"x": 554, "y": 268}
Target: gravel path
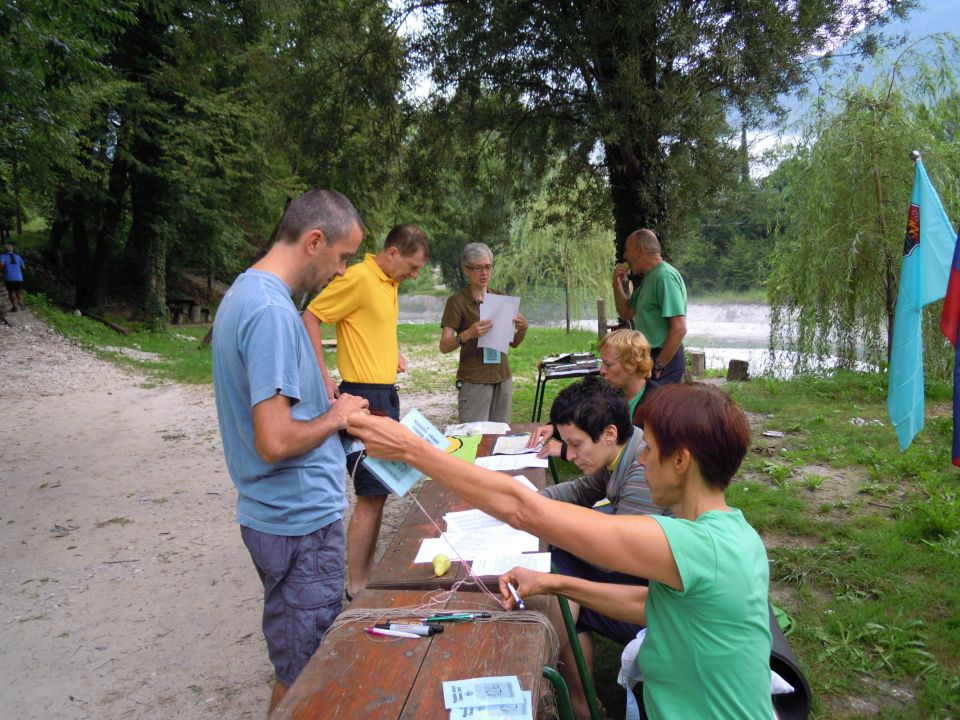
{"x": 125, "y": 590}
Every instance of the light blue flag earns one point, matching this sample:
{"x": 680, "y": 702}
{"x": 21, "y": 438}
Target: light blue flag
{"x": 927, "y": 256}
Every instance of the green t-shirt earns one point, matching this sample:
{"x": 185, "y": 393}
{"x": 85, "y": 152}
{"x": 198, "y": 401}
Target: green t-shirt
{"x": 660, "y": 296}
{"x": 707, "y": 649}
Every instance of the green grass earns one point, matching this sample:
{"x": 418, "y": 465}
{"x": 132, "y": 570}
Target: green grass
{"x": 864, "y": 542}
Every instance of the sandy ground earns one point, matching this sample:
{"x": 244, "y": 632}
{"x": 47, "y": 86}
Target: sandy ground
{"x": 125, "y": 589}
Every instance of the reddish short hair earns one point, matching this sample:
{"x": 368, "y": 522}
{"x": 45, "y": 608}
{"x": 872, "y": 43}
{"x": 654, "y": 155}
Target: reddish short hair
{"x": 702, "y": 419}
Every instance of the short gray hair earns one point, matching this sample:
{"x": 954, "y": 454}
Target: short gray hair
{"x": 325, "y": 210}
{"x": 472, "y": 252}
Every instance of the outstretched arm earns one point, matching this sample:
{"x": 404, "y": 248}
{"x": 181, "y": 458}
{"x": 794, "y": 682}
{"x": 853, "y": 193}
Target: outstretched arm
{"x": 630, "y": 544}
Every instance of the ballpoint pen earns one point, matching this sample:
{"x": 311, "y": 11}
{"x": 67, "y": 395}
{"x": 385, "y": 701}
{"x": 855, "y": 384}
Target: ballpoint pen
{"x": 391, "y": 633}
{"x": 454, "y": 617}
{"x": 413, "y": 628}
{"x": 513, "y": 591}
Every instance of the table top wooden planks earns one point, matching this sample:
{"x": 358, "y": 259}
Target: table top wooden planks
{"x": 355, "y": 675}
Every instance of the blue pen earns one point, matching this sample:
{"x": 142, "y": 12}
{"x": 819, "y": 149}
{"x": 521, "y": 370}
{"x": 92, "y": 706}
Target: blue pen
{"x": 513, "y": 591}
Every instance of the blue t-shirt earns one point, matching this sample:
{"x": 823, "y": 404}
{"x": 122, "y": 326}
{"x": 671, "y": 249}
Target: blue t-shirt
{"x": 260, "y": 347}
{"x": 12, "y": 267}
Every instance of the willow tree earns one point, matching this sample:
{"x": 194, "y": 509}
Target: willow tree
{"x": 560, "y": 241}
{"x": 641, "y": 90}
{"x": 845, "y": 194}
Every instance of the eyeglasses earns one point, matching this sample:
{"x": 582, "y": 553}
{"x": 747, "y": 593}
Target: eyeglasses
{"x": 480, "y": 268}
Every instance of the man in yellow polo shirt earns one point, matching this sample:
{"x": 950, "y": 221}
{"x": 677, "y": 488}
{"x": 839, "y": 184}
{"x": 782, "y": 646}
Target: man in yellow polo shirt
{"x": 364, "y": 306}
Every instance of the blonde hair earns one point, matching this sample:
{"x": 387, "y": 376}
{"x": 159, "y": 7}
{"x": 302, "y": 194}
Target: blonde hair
{"x": 633, "y": 350}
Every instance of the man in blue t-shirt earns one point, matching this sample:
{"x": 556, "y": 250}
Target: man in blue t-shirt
{"x": 280, "y": 432}
{"x": 12, "y": 266}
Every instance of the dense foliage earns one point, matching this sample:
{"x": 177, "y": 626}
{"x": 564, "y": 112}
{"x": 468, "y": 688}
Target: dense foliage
{"x": 158, "y": 142}
{"x": 844, "y": 192}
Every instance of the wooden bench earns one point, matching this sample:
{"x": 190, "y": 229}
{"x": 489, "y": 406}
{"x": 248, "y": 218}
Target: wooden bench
{"x": 188, "y": 308}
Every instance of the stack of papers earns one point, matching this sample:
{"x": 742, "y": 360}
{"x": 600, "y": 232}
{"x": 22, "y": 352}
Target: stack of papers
{"x": 488, "y": 698}
{"x": 511, "y": 462}
{"x": 514, "y": 445}
{"x": 493, "y": 546}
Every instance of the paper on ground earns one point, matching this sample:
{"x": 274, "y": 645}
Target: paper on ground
{"x": 499, "y": 564}
{"x": 480, "y": 692}
{"x": 511, "y": 462}
{"x": 481, "y": 427}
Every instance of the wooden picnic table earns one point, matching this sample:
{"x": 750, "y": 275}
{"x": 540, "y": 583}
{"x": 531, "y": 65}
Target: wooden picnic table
{"x": 396, "y": 568}
{"x": 355, "y": 675}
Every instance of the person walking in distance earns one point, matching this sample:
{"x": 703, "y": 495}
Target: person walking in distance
{"x": 12, "y": 266}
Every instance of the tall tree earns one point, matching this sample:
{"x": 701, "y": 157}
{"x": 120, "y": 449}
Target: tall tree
{"x": 643, "y": 87}
{"x": 845, "y": 193}
{"x": 335, "y": 82}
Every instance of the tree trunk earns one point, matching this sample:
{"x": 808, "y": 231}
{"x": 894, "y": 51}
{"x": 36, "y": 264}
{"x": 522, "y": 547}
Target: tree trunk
{"x": 110, "y": 225}
{"x": 83, "y": 297}
{"x": 147, "y": 236}
{"x": 18, "y": 210}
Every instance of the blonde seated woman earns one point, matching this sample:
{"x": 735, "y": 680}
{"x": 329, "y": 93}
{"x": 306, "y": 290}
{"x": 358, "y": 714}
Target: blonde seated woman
{"x": 707, "y": 648}
{"x": 626, "y": 364}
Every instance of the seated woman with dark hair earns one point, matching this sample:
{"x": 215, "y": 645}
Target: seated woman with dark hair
{"x": 707, "y": 648}
{"x": 604, "y": 444}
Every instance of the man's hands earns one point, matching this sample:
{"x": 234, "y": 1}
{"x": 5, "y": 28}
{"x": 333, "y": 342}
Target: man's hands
{"x": 402, "y": 363}
{"x": 620, "y": 273}
{"x": 345, "y": 406}
{"x": 333, "y": 392}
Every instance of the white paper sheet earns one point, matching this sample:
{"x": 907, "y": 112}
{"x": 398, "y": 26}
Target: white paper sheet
{"x": 514, "y": 445}
{"x": 480, "y": 427}
{"x": 511, "y": 462}
{"x": 501, "y": 310}
{"x": 482, "y": 691}
{"x": 499, "y": 564}
{"x": 517, "y": 711}
{"x": 469, "y": 546}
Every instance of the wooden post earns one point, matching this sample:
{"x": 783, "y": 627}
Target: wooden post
{"x": 698, "y": 364}
{"x": 601, "y": 319}
{"x": 194, "y": 312}
{"x": 738, "y": 370}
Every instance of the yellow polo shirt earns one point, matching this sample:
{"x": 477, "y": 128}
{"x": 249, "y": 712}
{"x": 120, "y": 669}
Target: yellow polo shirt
{"x": 363, "y": 305}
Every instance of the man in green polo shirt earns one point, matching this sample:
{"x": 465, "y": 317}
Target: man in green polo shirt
{"x": 658, "y": 305}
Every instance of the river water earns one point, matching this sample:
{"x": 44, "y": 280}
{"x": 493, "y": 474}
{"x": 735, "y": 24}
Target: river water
{"x": 723, "y": 332}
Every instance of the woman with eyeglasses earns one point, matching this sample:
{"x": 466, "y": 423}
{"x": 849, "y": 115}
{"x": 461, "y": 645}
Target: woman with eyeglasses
{"x": 484, "y": 385}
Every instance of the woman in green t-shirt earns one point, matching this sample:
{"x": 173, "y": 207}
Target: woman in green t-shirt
{"x": 707, "y": 648}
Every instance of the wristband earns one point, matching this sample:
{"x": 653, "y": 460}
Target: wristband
{"x": 458, "y": 339}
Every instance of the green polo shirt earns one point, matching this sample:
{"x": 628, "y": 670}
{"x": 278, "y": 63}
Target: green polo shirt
{"x": 660, "y": 296}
